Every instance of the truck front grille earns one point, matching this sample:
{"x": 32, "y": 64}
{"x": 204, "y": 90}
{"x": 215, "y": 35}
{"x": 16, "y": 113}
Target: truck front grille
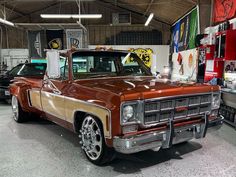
{"x": 180, "y": 107}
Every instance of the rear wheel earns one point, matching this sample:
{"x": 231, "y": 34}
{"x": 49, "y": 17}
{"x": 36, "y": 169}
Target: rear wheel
{"x": 93, "y": 143}
{"x": 18, "y": 114}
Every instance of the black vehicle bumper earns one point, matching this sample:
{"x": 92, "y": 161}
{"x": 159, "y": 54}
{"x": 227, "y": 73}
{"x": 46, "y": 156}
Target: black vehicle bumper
{"x": 215, "y": 124}
{"x": 4, "y": 93}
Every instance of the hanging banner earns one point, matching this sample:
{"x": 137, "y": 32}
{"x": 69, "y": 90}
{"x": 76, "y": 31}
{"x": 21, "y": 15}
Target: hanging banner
{"x": 144, "y": 54}
{"x": 74, "y": 38}
{"x": 55, "y": 39}
{"x": 36, "y": 44}
{"x": 175, "y": 38}
{"x": 184, "y": 32}
{"x": 224, "y": 10}
{"x": 193, "y": 29}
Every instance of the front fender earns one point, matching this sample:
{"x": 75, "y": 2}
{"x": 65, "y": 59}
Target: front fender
{"x": 19, "y": 90}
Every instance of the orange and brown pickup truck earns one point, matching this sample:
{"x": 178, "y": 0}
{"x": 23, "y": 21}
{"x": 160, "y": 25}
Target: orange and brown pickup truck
{"x": 115, "y": 104}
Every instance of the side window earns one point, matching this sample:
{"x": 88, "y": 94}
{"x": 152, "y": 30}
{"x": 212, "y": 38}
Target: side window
{"x": 64, "y": 68}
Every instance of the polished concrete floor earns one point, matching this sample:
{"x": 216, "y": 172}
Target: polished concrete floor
{"x": 42, "y": 149}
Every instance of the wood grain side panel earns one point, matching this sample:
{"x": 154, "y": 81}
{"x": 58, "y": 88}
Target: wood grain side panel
{"x": 53, "y": 104}
{"x": 35, "y": 99}
{"x": 64, "y": 108}
{"x": 73, "y": 105}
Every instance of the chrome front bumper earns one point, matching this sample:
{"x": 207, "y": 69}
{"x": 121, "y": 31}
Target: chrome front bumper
{"x": 215, "y": 124}
{"x": 165, "y": 138}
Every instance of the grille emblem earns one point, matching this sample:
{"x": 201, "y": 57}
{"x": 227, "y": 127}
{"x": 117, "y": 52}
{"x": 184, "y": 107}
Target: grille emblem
{"x": 180, "y": 109}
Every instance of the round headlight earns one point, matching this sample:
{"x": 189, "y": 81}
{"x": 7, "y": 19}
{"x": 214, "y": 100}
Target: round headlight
{"x": 128, "y": 112}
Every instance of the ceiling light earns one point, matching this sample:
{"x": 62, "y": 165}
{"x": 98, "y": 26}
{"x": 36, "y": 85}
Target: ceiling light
{"x": 149, "y": 19}
{"x": 55, "y": 15}
{"x": 87, "y": 16}
{"x": 6, "y": 22}
{"x": 71, "y": 15}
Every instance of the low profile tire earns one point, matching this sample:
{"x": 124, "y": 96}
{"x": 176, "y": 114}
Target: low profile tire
{"x": 93, "y": 142}
{"x": 18, "y": 114}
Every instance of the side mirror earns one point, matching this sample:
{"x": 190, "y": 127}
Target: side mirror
{"x": 53, "y": 64}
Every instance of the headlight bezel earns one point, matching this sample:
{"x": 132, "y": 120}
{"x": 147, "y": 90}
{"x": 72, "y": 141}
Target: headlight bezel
{"x": 215, "y": 104}
{"x": 138, "y": 113}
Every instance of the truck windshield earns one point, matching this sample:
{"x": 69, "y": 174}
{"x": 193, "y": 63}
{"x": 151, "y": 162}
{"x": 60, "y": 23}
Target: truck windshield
{"x": 97, "y": 64}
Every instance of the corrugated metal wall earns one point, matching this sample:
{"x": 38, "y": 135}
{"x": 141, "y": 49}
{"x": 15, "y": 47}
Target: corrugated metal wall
{"x": 124, "y": 35}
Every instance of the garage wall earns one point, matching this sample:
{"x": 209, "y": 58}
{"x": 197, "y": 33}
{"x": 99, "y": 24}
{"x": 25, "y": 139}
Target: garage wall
{"x": 13, "y": 37}
{"x": 12, "y": 57}
{"x": 119, "y": 35}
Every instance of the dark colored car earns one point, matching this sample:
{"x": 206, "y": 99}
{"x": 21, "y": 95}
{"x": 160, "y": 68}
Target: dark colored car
{"x": 21, "y": 70}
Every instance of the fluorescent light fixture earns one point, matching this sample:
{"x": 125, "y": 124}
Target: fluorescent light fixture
{"x": 55, "y": 15}
{"x": 87, "y": 16}
{"x": 149, "y": 19}
{"x": 6, "y": 22}
{"x": 71, "y": 15}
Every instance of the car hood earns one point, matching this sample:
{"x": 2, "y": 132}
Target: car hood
{"x": 5, "y": 80}
{"x": 132, "y": 88}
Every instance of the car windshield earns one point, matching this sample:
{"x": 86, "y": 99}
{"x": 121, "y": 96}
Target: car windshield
{"x": 28, "y": 70}
{"x": 107, "y": 64}
{"x": 15, "y": 70}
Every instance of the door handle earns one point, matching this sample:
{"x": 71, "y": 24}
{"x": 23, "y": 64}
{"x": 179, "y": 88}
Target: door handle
{"x": 56, "y": 91}
{"x": 45, "y": 82}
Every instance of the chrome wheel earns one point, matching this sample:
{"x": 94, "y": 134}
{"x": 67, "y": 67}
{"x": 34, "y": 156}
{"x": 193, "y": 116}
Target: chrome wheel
{"x": 15, "y": 107}
{"x": 91, "y": 138}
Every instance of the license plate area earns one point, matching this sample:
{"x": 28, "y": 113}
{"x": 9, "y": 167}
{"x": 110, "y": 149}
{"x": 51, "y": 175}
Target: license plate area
{"x": 183, "y": 135}
{"x": 7, "y": 93}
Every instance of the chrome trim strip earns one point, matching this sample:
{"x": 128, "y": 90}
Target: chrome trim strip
{"x": 28, "y": 97}
{"x": 177, "y": 96}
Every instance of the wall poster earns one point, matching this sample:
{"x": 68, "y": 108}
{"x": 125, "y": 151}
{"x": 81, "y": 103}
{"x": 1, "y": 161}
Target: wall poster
{"x": 74, "y": 38}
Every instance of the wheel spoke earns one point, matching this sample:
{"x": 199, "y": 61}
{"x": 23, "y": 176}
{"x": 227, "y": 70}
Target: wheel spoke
{"x": 91, "y": 138}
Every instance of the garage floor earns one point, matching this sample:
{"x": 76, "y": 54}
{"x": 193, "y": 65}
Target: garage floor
{"x": 40, "y": 148}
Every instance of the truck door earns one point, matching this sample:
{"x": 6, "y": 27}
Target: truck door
{"x": 52, "y": 98}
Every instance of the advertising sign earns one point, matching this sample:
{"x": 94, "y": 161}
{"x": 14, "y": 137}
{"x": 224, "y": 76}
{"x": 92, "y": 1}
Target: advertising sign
{"x": 36, "y": 44}
{"x": 74, "y": 38}
{"x": 55, "y": 39}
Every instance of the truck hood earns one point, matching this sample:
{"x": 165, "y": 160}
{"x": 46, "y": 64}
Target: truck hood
{"x": 133, "y": 88}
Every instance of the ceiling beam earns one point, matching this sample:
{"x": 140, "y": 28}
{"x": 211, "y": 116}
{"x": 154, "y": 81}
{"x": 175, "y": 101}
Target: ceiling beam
{"x": 12, "y": 9}
{"x": 41, "y": 9}
{"x": 10, "y": 1}
{"x": 133, "y": 10}
{"x": 148, "y": 8}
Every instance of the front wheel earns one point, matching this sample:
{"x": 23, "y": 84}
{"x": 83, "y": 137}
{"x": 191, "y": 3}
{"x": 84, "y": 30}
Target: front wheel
{"x": 93, "y": 143}
{"x": 18, "y": 114}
